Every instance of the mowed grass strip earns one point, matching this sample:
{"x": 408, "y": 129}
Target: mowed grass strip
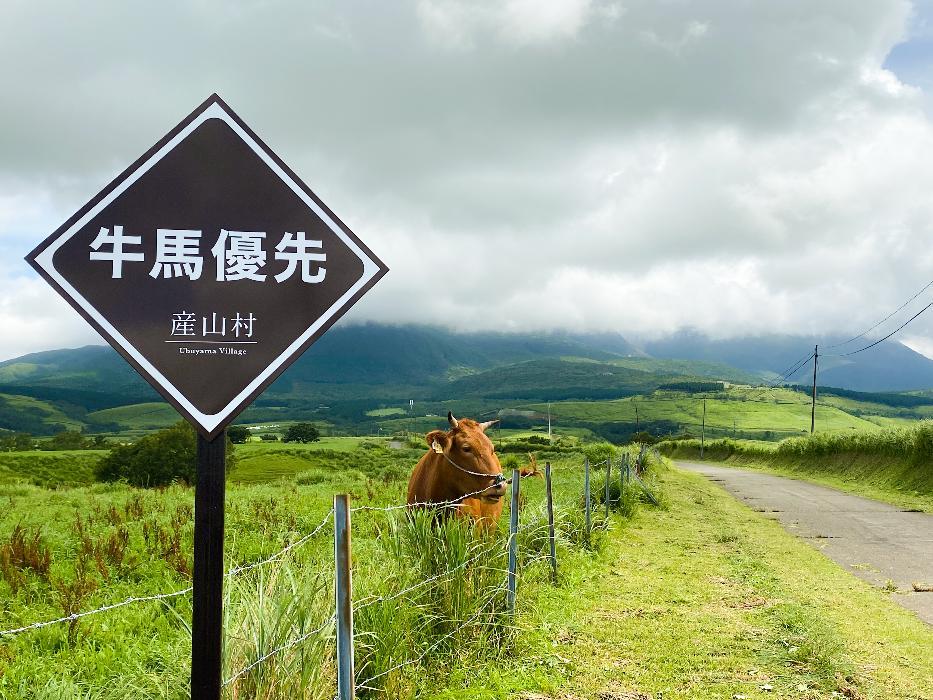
{"x": 710, "y": 600}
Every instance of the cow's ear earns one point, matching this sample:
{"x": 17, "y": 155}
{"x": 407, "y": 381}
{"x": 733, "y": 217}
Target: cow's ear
{"x": 437, "y": 440}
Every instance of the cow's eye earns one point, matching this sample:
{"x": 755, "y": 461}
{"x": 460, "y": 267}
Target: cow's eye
{"x": 466, "y": 448}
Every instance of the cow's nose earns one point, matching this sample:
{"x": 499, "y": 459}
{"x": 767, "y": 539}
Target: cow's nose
{"x": 497, "y": 489}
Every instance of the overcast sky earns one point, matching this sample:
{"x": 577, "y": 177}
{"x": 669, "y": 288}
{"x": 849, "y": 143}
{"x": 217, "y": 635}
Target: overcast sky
{"x": 640, "y": 166}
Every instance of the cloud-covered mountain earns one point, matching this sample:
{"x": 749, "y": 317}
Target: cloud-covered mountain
{"x": 889, "y": 366}
{"x": 378, "y": 359}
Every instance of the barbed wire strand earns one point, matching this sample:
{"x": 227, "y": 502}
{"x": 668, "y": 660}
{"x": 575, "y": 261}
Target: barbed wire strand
{"x": 282, "y": 552}
{"x": 366, "y": 602}
{"x": 424, "y": 504}
{"x": 77, "y": 616}
{"x": 162, "y": 596}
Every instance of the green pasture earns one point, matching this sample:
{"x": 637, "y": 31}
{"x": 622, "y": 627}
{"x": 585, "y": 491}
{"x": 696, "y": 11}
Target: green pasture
{"x": 140, "y": 416}
{"x": 46, "y": 412}
{"x": 743, "y": 409}
{"x": 701, "y": 598}
{"x": 263, "y": 462}
{"x": 52, "y": 468}
{"x": 384, "y": 412}
{"x": 106, "y": 543}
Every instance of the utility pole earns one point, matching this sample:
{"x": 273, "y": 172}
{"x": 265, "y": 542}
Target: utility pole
{"x": 816, "y": 354}
{"x": 703, "y": 432}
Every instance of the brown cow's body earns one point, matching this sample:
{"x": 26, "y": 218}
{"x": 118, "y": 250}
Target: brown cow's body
{"x": 441, "y": 476}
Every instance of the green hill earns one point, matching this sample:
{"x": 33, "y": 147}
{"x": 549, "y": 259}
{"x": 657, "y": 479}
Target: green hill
{"x": 361, "y": 379}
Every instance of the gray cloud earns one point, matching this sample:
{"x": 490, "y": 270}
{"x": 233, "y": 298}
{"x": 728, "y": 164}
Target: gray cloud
{"x": 636, "y": 166}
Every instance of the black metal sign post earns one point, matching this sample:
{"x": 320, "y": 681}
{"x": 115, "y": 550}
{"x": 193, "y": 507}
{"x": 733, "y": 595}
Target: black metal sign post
{"x": 208, "y": 577}
{"x": 210, "y": 267}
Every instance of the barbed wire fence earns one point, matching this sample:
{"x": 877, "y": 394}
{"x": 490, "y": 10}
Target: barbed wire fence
{"x": 338, "y": 626}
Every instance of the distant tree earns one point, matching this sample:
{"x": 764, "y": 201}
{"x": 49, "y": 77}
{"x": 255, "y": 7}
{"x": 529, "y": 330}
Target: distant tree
{"x": 238, "y": 434}
{"x": 158, "y": 459}
{"x": 643, "y": 437}
{"x": 269, "y": 437}
{"x": 24, "y": 441}
{"x": 68, "y": 440}
{"x": 98, "y": 442}
{"x": 302, "y": 432}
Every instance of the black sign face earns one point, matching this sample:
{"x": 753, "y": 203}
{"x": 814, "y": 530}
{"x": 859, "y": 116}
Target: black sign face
{"x": 208, "y": 265}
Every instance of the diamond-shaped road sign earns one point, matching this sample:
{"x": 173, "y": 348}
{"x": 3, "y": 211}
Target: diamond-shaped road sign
{"x": 208, "y": 265}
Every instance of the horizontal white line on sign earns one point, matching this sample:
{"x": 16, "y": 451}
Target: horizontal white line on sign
{"x": 215, "y": 342}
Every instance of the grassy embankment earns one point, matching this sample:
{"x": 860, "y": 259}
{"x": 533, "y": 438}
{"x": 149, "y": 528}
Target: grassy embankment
{"x": 893, "y": 465}
{"x": 702, "y": 599}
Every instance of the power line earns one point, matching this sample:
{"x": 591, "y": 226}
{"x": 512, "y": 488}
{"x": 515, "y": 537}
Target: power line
{"x": 795, "y": 362}
{"x": 854, "y": 352}
{"x": 898, "y": 309}
{"x": 787, "y": 375}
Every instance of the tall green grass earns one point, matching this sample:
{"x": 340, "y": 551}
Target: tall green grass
{"x": 429, "y": 596}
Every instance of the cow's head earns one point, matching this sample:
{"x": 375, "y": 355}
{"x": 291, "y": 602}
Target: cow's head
{"x": 469, "y": 457}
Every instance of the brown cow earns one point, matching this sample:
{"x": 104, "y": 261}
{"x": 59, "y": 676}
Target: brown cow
{"x": 461, "y": 469}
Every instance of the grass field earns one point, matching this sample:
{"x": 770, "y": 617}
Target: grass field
{"x": 383, "y": 412}
{"x": 45, "y": 412}
{"x": 743, "y": 409}
{"x": 700, "y": 599}
{"x": 140, "y": 416}
{"x": 263, "y": 462}
{"x": 58, "y": 468}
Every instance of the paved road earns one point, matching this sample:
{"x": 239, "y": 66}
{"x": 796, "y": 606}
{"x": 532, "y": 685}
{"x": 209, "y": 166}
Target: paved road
{"x": 875, "y": 541}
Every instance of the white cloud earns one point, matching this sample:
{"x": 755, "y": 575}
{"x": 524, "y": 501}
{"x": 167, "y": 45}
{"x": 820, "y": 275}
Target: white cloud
{"x": 459, "y": 23}
{"x": 640, "y": 167}
{"x": 33, "y": 317}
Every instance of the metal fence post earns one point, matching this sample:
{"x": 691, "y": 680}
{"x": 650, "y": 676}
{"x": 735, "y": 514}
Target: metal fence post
{"x": 586, "y": 495}
{"x": 621, "y": 478}
{"x": 346, "y": 686}
{"x": 606, "y": 494}
{"x": 550, "y": 521}
{"x": 513, "y": 539}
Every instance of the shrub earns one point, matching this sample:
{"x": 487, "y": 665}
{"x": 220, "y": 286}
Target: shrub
{"x": 642, "y": 437}
{"x": 67, "y": 440}
{"x": 302, "y": 432}
{"x": 599, "y": 452}
{"x": 159, "y": 459}
{"x": 238, "y": 434}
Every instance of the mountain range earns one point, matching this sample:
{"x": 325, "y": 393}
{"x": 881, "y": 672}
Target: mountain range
{"x": 362, "y": 366}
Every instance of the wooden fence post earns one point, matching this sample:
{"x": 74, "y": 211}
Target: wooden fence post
{"x": 513, "y": 540}
{"x": 346, "y": 685}
{"x": 586, "y": 496}
{"x": 550, "y": 521}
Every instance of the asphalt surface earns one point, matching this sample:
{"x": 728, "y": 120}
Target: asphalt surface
{"x": 877, "y": 542}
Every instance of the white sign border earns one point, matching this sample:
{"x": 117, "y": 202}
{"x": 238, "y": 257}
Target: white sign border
{"x": 208, "y": 422}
